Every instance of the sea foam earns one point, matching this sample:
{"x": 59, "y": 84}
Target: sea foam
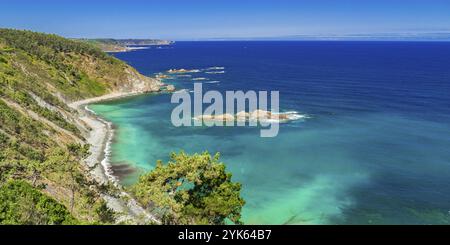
{"x": 199, "y": 79}
{"x": 215, "y": 68}
{"x": 215, "y": 72}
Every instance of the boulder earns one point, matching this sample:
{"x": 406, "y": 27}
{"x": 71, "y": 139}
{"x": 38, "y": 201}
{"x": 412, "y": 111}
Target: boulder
{"x": 170, "y": 88}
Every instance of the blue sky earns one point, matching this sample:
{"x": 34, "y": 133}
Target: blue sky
{"x": 200, "y": 19}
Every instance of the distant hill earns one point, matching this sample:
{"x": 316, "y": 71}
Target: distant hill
{"x": 122, "y": 45}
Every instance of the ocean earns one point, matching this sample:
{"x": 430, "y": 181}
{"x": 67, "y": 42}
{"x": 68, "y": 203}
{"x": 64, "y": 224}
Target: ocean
{"x": 373, "y": 147}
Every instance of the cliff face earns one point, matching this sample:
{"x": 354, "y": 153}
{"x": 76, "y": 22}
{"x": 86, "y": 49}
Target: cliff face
{"x": 42, "y": 143}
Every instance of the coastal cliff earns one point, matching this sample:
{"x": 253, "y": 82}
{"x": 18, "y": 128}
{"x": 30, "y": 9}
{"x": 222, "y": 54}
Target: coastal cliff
{"x": 123, "y": 45}
{"x": 46, "y": 138}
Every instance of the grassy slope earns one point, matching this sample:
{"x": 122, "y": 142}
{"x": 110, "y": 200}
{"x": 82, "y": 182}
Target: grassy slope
{"x": 39, "y": 141}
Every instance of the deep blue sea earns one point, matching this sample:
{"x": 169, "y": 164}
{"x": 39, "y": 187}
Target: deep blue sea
{"x": 373, "y": 149}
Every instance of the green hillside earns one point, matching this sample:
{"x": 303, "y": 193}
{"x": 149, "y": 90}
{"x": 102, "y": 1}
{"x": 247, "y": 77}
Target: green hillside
{"x": 41, "y": 141}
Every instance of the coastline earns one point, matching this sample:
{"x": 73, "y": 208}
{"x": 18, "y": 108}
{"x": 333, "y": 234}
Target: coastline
{"x": 100, "y": 137}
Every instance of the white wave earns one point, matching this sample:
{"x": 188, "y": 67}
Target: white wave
{"x": 215, "y": 68}
{"x": 291, "y": 112}
{"x": 106, "y": 164}
{"x": 186, "y": 75}
{"x": 296, "y": 116}
{"x": 270, "y": 120}
{"x": 199, "y": 78}
{"x": 137, "y": 48}
{"x": 182, "y": 91}
{"x": 89, "y": 110}
{"x": 290, "y": 116}
{"x": 215, "y": 72}
{"x": 213, "y": 82}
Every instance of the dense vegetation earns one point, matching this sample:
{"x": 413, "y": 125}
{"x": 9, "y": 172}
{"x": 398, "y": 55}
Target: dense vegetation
{"x": 20, "y": 203}
{"x": 74, "y": 69}
{"x": 191, "y": 189}
{"x": 49, "y": 47}
{"x": 42, "y": 180}
{"x": 107, "y": 45}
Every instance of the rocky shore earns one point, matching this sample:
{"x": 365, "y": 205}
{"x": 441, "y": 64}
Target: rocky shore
{"x": 99, "y": 137}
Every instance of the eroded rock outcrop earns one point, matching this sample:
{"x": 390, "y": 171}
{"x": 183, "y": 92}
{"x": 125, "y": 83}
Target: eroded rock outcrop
{"x": 257, "y": 115}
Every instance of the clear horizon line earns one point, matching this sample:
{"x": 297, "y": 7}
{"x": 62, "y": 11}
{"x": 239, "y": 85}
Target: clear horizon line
{"x": 434, "y": 35}
{"x": 309, "y": 40}
{"x": 444, "y": 36}
{"x": 400, "y": 36}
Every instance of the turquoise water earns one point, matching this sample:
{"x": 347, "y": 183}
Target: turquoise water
{"x": 373, "y": 149}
